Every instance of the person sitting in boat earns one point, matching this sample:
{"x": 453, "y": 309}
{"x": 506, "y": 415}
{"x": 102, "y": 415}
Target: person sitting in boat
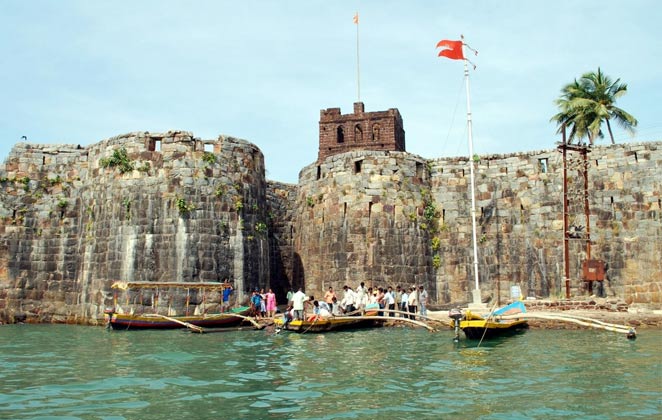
{"x": 320, "y": 310}
{"x": 288, "y": 316}
{"x": 324, "y": 309}
{"x": 336, "y": 309}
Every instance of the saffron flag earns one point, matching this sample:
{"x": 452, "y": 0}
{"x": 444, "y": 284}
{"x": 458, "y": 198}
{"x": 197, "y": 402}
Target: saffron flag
{"x": 451, "y": 49}
{"x": 356, "y": 18}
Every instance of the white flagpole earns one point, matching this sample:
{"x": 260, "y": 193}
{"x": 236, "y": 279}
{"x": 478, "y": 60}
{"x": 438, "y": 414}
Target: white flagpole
{"x": 358, "y": 69}
{"x": 476, "y": 293}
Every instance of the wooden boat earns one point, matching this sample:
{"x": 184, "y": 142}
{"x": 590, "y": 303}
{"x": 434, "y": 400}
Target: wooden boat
{"x": 118, "y": 319}
{"x": 233, "y": 318}
{"x": 478, "y": 327}
{"x": 319, "y": 324}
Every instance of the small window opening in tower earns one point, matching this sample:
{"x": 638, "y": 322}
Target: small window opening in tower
{"x": 636, "y": 158}
{"x": 157, "y": 145}
{"x": 319, "y": 172}
{"x": 542, "y": 165}
{"x": 369, "y": 210}
{"x": 344, "y": 210}
{"x": 358, "y": 134}
{"x": 357, "y": 166}
{"x": 375, "y": 132}
{"x": 340, "y": 135}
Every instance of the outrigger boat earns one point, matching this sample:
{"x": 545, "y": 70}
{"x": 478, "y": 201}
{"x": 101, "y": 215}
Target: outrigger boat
{"x": 478, "y": 327}
{"x": 117, "y": 319}
{"x": 317, "y": 324}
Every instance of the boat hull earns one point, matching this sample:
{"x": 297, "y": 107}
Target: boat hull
{"x": 481, "y": 329}
{"x": 147, "y": 321}
{"x": 328, "y": 324}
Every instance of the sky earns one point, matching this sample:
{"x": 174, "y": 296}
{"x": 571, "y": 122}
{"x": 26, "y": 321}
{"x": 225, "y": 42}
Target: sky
{"x": 78, "y": 72}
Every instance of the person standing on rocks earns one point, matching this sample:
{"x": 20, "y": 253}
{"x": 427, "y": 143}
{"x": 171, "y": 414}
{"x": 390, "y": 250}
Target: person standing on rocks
{"x": 270, "y": 297}
{"x": 423, "y": 300}
{"x": 404, "y": 306}
{"x": 227, "y": 291}
{"x": 290, "y": 293}
{"x": 412, "y": 302}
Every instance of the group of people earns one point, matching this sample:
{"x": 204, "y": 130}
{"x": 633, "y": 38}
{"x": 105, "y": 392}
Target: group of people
{"x": 409, "y": 300}
{"x": 263, "y": 304}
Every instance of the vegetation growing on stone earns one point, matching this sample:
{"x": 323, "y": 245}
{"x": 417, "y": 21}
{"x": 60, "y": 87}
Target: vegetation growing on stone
{"x": 209, "y": 158}
{"x": 119, "y": 159}
{"x": 184, "y": 207}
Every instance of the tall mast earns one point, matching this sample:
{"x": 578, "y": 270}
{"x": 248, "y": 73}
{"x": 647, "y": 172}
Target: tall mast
{"x": 358, "y": 69}
{"x": 476, "y": 293}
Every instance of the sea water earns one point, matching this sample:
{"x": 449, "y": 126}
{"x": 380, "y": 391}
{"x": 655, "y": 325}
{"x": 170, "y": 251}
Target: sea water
{"x": 72, "y": 372}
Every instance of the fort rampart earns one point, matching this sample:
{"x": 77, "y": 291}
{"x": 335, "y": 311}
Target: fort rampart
{"x": 75, "y": 219}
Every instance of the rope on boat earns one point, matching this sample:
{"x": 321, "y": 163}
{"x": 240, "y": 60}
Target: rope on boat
{"x": 246, "y": 318}
{"x": 486, "y": 321}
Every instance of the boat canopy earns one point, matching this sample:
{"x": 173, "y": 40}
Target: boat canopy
{"x": 125, "y": 285}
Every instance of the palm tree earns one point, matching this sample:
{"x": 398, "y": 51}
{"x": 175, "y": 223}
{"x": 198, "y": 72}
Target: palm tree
{"x": 587, "y": 102}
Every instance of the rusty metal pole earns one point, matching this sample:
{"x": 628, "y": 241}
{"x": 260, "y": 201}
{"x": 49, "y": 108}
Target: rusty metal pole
{"x": 566, "y": 235}
{"x": 587, "y": 213}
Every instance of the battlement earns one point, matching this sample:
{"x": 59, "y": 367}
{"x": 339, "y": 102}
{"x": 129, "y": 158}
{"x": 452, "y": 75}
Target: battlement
{"x": 381, "y": 130}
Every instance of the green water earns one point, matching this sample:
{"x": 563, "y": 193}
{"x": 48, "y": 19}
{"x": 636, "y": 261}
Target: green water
{"x": 58, "y": 372}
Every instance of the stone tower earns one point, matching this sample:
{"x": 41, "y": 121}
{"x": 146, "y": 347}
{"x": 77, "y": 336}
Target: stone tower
{"x": 361, "y": 130}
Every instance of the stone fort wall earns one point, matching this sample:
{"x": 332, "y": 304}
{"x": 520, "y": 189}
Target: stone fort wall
{"x": 392, "y": 218}
{"x": 70, "y": 227}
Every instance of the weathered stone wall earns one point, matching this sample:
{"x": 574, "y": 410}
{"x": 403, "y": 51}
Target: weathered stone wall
{"x": 285, "y": 264}
{"x": 69, "y": 227}
{"x": 393, "y": 218}
{"x": 360, "y": 219}
{"x": 182, "y": 214}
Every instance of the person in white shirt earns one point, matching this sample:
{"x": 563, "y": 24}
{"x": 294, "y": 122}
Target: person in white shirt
{"x": 423, "y": 300}
{"x": 389, "y": 301}
{"x": 297, "y": 303}
{"x": 361, "y": 298}
{"x": 405, "y": 298}
{"x": 412, "y": 302}
{"x": 349, "y": 300}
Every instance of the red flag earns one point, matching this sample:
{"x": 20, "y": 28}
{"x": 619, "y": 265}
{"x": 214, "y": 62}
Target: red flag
{"x": 356, "y": 18}
{"x": 452, "y": 49}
